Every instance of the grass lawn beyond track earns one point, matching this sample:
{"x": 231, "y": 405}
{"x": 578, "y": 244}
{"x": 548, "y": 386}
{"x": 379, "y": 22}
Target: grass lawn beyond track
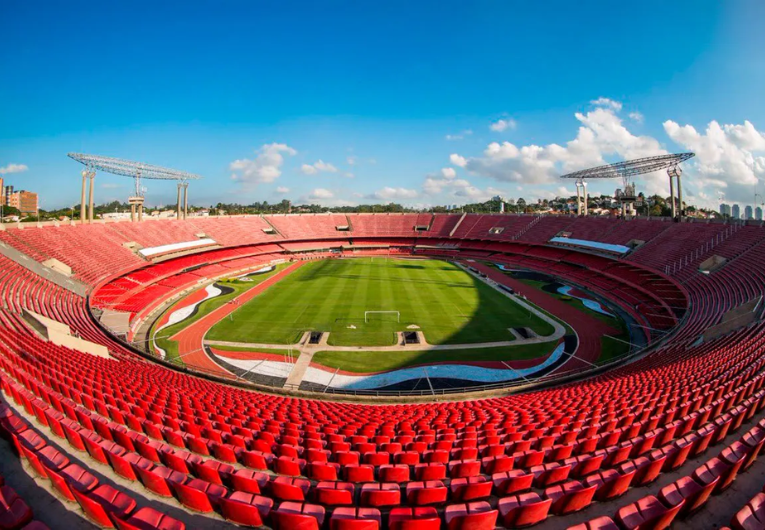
{"x": 449, "y": 305}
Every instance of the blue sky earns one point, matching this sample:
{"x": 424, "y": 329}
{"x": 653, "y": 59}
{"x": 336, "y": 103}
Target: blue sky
{"x": 355, "y": 102}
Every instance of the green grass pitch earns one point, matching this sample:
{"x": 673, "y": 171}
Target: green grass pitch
{"x": 448, "y": 304}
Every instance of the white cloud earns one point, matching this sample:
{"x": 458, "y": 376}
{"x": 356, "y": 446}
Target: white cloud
{"x": 636, "y": 116}
{"x": 436, "y": 183}
{"x": 606, "y": 102}
{"x": 318, "y": 167}
{"x": 351, "y": 160}
{"x": 13, "y": 168}
{"x": 601, "y": 133}
{"x": 282, "y": 190}
{"x": 502, "y": 125}
{"x": 473, "y": 194}
{"x": 264, "y": 168}
{"x": 388, "y": 193}
{"x": 460, "y": 136}
{"x": 321, "y": 193}
{"x": 457, "y": 160}
{"x": 324, "y": 197}
{"x": 726, "y": 160}
{"x": 456, "y": 189}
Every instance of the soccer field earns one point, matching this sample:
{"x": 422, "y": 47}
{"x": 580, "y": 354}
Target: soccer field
{"x": 448, "y": 305}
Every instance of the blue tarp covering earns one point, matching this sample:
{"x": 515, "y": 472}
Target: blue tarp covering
{"x": 619, "y": 249}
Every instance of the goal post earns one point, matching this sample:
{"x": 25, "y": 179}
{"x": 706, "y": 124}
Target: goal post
{"x": 367, "y": 313}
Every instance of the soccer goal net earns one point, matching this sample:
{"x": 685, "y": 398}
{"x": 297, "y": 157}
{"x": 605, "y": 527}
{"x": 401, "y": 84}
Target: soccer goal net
{"x": 368, "y": 313}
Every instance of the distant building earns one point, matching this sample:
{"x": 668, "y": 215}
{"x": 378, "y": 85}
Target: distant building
{"x": 748, "y": 213}
{"x": 725, "y": 209}
{"x": 758, "y": 214}
{"x": 25, "y": 201}
{"x": 115, "y": 215}
{"x": 736, "y": 211}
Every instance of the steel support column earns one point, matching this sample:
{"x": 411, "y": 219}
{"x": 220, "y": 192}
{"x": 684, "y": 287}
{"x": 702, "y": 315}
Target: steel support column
{"x": 584, "y": 188}
{"x": 178, "y": 204}
{"x": 83, "y": 212}
{"x": 679, "y": 195}
{"x": 185, "y": 199}
{"x": 91, "y": 198}
{"x": 671, "y": 192}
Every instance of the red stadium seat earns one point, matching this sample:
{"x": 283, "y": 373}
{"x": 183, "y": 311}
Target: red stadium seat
{"x": 297, "y": 516}
{"x": 334, "y": 493}
{"x": 648, "y": 512}
{"x": 470, "y": 489}
{"x": 570, "y": 497}
{"x": 414, "y": 519}
{"x": 377, "y": 495}
{"x": 290, "y": 489}
{"x": 471, "y": 516}
{"x": 14, "y": 512}
{"x": 146, "y": 518}
{"x": 524, "y": 509}
{"x": 246, "y": 509}
{"x": 355, "y": 519}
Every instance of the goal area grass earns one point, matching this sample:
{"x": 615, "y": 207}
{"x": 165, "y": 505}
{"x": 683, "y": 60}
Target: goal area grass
{"x": 436, "y": 297}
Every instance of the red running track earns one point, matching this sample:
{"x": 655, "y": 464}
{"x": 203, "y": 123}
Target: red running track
{"x": 588, "y": 328}
{"x": 190, "y": 339}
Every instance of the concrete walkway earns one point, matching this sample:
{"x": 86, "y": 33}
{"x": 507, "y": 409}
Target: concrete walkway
{"x": 298, "y": 371}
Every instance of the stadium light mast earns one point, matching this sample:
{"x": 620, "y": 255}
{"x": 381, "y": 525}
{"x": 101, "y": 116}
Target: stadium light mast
{"x": 135, "y": 170}
{"x": 626, "y": 171}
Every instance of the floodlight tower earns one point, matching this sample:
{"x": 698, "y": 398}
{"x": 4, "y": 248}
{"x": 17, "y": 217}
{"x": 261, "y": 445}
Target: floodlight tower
{"x": 674, "y": 172}
{"x": 628, "y": 169}
{"x": 87, "y": 173}
{"x": 581, "y": 196}
{"x": 135, "y": 170}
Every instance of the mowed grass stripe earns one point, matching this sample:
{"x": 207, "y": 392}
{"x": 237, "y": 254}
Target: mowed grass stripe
{"x": 449, "y": 305}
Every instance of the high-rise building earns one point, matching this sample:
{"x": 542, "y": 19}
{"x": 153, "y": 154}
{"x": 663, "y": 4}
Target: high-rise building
{"x": 736, "y": 211}
{"x": 24, "y": 201}
{"x": 748, "y": 213}
{"x": 725, "y": 209}
{"x": 758, "y": 213}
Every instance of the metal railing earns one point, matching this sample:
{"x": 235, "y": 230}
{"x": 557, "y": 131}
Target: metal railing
{"x": 719, "y": 238}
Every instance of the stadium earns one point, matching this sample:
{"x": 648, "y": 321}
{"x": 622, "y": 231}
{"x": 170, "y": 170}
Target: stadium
{"x": 383, "y": 370}
{"x": 344, "y": 265}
